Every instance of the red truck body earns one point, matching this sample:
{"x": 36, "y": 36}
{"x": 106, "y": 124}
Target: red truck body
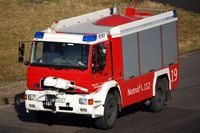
{"x": 140, "y": 51}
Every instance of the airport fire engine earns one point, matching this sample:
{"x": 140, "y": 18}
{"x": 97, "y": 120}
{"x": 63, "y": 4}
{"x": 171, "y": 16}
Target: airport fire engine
{"x": 98, "y": 63}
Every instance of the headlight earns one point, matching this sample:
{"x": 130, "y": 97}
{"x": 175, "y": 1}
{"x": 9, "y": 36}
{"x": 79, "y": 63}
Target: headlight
{"x": 31, "y": 97}
{"x": 83, "y": 101}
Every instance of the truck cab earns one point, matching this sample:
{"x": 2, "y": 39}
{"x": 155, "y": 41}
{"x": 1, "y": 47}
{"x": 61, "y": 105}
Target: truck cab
{"x": 83, "y": 64}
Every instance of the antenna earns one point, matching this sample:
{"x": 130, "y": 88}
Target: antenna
{"x": 118, "y": 8}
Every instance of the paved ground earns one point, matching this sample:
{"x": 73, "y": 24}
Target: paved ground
{"x": 181, "y": 115}
{"x": 190, "y": 5}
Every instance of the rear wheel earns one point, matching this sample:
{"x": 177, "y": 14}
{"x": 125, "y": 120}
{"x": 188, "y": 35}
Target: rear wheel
{"x": 107, "y": 121}
{"x": 158, "y": 101}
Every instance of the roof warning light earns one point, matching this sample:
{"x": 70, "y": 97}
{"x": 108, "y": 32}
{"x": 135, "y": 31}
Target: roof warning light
{"x": 90, "y": 38}
{"x": 39, "y": 35}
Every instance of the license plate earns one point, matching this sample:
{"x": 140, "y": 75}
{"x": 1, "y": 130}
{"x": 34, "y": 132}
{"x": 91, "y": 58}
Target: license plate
{"x": 60, "y": 100}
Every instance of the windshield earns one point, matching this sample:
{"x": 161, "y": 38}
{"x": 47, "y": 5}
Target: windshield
{"x": 60, "y": 55}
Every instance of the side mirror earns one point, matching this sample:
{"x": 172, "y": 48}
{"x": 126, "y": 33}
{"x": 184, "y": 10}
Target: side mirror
{"x": 21, "y": 49}
{"x": 21, "y": 59}
{"x": 21, "y": 52}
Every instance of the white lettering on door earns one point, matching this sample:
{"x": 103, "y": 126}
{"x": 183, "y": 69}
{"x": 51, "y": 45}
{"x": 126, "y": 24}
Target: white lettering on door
{"x": 140, "y": 88}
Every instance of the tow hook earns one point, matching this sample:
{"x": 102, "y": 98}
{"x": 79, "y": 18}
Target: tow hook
{"x": 49, "y": 102}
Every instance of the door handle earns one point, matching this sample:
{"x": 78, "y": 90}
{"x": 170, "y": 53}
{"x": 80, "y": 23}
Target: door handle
{"x": 105, "y": 74}
{"x": 171, "y": 64}
{"x": 131, "y": 77}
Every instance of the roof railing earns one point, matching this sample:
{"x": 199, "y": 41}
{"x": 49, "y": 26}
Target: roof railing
{"x": 150, "y": 9}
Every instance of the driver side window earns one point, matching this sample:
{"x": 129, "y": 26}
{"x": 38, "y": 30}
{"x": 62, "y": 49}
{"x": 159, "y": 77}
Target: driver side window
{"x": 37, "y": 52}
{"x": 98, "y": 57}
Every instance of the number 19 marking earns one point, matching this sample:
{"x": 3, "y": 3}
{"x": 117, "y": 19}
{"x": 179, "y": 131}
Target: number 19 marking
{"x": 174, "y": 73}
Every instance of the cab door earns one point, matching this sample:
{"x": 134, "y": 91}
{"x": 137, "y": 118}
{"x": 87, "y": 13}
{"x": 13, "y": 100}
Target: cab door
{"x": 101, "y": 65}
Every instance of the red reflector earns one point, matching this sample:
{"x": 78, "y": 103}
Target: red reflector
{"x": 25, "y": 97}
{"x": 143, "y": 13}
{"x": 60, "y": 32}
{"x": 90, "y": 34}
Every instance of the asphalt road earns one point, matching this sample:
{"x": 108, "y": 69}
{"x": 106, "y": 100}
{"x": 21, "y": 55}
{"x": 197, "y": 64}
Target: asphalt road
{"x": 181, "y": 115}
{"x": 190, "y": 5}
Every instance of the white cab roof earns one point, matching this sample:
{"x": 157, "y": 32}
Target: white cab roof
{"x": 86, "y": 27}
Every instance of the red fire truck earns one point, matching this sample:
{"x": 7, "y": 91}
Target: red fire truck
{"x": 98, "y": 63}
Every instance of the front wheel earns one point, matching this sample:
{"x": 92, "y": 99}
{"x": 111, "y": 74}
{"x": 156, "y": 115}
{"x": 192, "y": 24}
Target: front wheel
{"x": 107, "y": 121}
{"x": 158, "y": 101}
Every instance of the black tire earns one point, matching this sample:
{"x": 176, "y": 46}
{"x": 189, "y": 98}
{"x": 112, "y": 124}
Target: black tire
{"x": 45, "y": 117}
{"x": 158, "y": 101}
{"x": 107, "y": 121}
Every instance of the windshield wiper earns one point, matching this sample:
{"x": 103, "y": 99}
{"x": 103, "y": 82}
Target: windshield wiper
{"x": 47, "y": 65}
{"x": 58, "y": 67}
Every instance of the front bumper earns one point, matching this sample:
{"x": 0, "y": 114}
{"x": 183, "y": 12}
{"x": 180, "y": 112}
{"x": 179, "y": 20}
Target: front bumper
{"x": 66, "y": 103}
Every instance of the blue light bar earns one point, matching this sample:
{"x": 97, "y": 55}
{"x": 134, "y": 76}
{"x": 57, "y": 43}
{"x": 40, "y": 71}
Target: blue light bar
{"x": 90, "y": 38}
{"x": 39, "y": 35}
{"x": 175, "y": 14}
